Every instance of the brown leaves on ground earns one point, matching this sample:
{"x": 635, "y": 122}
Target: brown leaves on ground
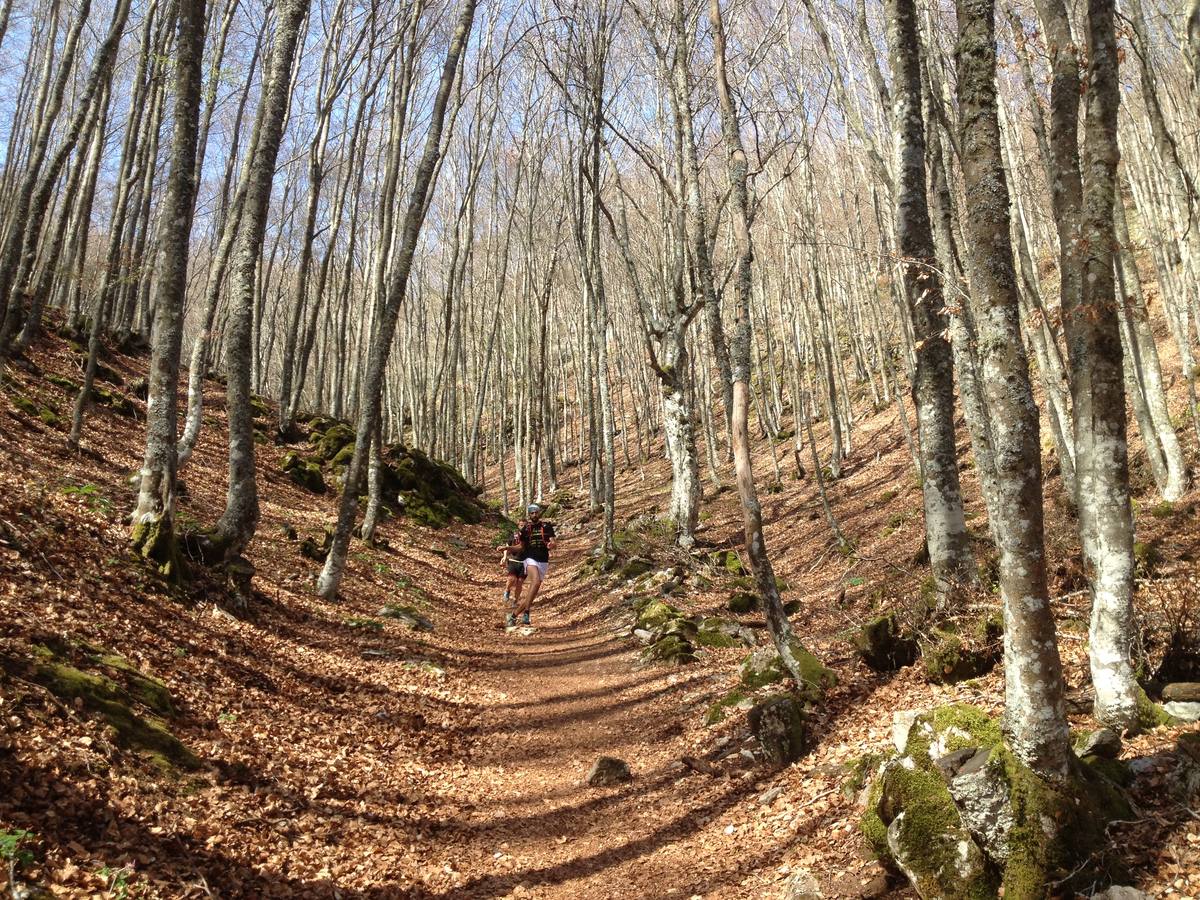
{"x": 347, "y": 756}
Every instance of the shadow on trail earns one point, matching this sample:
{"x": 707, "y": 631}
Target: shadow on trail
{"x": 677, "y": 828}
{"x": 551, "y": 720}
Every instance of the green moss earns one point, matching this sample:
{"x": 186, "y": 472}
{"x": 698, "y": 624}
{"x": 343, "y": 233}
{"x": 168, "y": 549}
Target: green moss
{"x": 70, "y": 385}
{"x": 118, "y": 403}
{"x": 672, "y": 648}
{"x": 329, "y": 443}
{"x": 1164, "y": 509}
{"x": 1113, "y": 770}
{"x": 657, "y": 613}
{"x": 259, "y": 406}
{"x": 888, "y": 496}
{"x": 1055, "y": 828}
{"x": 712, "y": 634}
{"x": 859, "y": 771}
{"x": 1150, "y": 714}
{"x": 308, "y": 476}
{"x": 103, "y": 697}
{"x": 717, "y": 711}
{"x": 1146, "y": 558}
{"x": 742, "y": 602}
{"x": 958, "y": 725}
{"x": 764, "y": 667}
{"x": 145, "y": 688}
{"x": 44, "y": 414}
{"x": 948, "y": 659}
{"x": 155, "y": 541}
{"x": 931, "y": 833}
{"x": 635, "y": 568}
{"x": 343, "y": 456}
{"x": 883, "y": 645}
{"x": 366, "y": 624}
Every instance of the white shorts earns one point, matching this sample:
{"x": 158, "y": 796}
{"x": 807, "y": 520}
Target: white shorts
{"x": 543, "y": 567}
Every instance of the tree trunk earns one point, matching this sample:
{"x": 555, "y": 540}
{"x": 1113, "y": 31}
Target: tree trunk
{"x": 933, "y": 387}
{"x": 1035, "y": 717}
{"x": 371, "y": 396}
{"x": 1098, "y": 393}
{"x": 153, "y": 518}
{"x": 800, "y": 666}
{"x": 240, "y": 518}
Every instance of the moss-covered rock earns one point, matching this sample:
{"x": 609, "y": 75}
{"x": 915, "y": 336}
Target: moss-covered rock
{"x": 103, "y": 697}
{"x": 727, "y": 560}
{"x": 779, "y": 725}
{"x": 671, "y": 648}
{"x": 328, "y": 443}
{"x": 883, "y": 646}
{"x": 962, "y": 817}
{"x": 765, "y": 666}
{"x": 948, "y": 659}
{"x": 925, "y": 837}
{"x": 308, "y": 476}
{"x": 407, "y": 616}
{"x": 70, "y": 385}
{"x": 656, "y": 613}
{"x": 635, "y": 568}
{"x": 717, "y": 711}
{"x": 718, "y": 633}
{"x": 742, "y": 602}
{"x": 35, "y": 410}
{"x": 117, "y": 402}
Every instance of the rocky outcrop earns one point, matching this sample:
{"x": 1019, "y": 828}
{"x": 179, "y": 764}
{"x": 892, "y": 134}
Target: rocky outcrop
{"x": 607, "y": 771}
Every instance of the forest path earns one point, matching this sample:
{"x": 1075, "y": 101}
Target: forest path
{"x": 561, "y": 697}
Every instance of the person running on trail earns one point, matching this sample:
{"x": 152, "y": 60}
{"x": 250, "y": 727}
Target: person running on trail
{"x": 513, "y": 562}
{"x": 538, "y": 537}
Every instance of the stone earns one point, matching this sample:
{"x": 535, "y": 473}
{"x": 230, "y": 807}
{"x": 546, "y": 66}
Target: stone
{"x": 778, "y": 724}
{"x": 1183, "y": 711}
{"x": 762, "y": 667}
{"x": 607, "y": 771}
{"x": 883, "y": 646}
{"x": 656, "y": 614}
{"x": 920, "y": 830}
{"x": 406, "y": 615}
{"x": 1182, "y": 692}
{"x": 902, "y": 723}
{"x": 635, "y": 568}
{"x": 717, "y": 632}
{"x": 1122, "y": 892}
{"x": 643, "y": 635}
{"x": 802, "y": 885}
{"x": 981, "y": 793}
{"x": 1104, "y": 743}
{"x": 671, "y": 648}
{"x": 742, "y": 602}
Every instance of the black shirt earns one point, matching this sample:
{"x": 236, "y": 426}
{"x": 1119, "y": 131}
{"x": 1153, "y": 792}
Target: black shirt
{"x": 535, "y": 536}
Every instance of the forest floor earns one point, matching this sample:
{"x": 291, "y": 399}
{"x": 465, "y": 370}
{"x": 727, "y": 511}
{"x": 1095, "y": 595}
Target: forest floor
{"x": 340, "y": 754}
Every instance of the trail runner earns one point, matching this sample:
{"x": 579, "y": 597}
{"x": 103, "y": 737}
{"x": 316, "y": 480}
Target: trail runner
{"x": 512, "y": 560}
{"x": 538, "y": 538}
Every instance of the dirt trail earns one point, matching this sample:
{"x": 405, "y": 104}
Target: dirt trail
{"x": 560, "y": 697}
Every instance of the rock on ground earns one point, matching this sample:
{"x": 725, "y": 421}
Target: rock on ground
{"x": 608, "y": 770}
{"x": 1184, "y": 711}
{"x": 1182, "y": 691}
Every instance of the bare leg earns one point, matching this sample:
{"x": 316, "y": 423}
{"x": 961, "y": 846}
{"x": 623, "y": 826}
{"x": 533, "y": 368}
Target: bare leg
{"x": 535, "y": 583}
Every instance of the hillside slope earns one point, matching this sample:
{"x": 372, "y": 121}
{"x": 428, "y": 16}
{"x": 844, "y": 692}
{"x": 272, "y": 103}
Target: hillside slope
{"x": 166, "y": 742}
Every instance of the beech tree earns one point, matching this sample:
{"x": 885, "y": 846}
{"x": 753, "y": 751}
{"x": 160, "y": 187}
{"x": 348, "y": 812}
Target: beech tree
{"x": 154, "y": 516}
